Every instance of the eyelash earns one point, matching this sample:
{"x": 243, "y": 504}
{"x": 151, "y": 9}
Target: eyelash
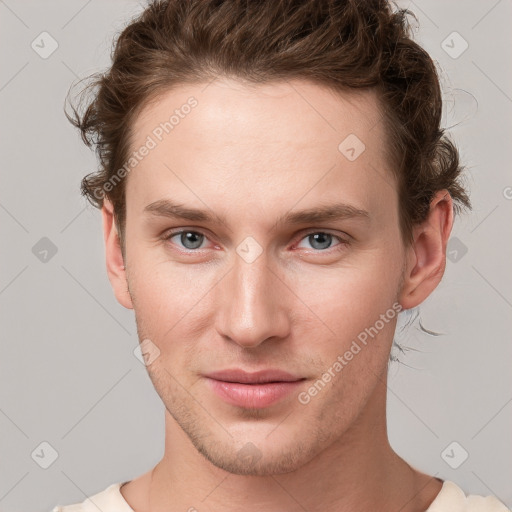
{"x": 342, "y": 242}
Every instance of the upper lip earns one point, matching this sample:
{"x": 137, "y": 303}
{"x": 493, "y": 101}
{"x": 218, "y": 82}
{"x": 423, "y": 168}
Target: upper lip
{"x": 259, "y": 377}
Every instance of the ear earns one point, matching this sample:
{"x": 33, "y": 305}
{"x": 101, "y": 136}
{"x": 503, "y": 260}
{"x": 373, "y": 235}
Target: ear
{"x": 115, "y": 264}
{"x": 426, "y": 257}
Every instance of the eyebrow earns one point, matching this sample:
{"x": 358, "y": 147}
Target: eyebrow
{"x": 324, "y": 213}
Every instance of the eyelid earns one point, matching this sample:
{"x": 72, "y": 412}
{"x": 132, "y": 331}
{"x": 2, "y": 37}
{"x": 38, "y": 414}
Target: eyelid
{"x": 327, "y": 231}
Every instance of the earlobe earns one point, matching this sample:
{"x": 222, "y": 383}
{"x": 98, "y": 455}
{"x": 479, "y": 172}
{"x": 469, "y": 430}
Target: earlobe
{"x": 426, "y": 257}
{"x": 114, "y": 257}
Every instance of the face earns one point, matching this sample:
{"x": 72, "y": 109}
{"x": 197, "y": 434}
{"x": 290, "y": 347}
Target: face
{"x": 293, "y": 254}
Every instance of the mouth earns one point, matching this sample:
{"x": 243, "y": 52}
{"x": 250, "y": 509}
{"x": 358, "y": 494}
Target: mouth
{"x": 261, "y": 377}
{"x": 255, "y": 390}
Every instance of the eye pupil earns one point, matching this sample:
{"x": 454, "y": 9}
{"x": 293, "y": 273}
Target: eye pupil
{"x": 191, "y": 240}
{"x": 324, "y": 239}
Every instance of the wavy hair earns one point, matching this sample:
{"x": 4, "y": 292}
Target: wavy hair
{"x": 341, "y": 44}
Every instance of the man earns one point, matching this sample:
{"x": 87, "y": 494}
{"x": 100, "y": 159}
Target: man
{"x": 275, "y": 188}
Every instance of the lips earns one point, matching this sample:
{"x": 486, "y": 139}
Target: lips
{"x": 255, "y": 390}
{"x": 260, "y": 377}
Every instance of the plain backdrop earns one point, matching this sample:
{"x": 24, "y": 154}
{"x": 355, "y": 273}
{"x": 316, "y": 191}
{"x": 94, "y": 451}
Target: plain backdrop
{"x": 70, "y": 377}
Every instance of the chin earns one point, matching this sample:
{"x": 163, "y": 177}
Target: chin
{"x": 250, "y": 461}
{"x": 255, "y": 454}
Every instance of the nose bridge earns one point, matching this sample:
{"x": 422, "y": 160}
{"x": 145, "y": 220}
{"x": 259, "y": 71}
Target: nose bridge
{"x": 252, "y": 307}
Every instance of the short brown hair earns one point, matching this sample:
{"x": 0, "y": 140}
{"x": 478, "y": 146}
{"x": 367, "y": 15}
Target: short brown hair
{"x": 343, "y": 45}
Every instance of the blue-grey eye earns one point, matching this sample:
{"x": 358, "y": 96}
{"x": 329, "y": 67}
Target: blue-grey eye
{"x": 320, "y": 241}
{"x": 190, "y": 239}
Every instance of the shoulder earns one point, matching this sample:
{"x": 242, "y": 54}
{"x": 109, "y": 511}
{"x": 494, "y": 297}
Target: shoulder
{"x": 108, "y": 500}
{"x": 452, "y": 498}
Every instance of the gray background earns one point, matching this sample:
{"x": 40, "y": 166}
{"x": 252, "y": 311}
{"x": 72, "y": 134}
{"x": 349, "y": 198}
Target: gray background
{"x": 69, "y": 376}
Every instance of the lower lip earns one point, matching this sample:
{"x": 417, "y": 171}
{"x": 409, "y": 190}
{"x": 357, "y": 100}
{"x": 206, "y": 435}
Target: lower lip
{"x": 253, "y": 396}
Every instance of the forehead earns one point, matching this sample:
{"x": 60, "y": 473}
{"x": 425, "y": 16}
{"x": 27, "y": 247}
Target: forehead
{"x": 261, "y": 142}
{"x": 235, "y": 113}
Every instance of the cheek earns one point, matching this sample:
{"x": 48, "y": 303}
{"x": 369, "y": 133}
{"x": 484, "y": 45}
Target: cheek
{"x": 171, "y": 301}
{"x": 352, "y": 298}
{"x": 358, "y": 306}
{"x": 361, "y": 316}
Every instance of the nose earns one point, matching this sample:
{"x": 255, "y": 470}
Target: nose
{"x": 252, "y": 304}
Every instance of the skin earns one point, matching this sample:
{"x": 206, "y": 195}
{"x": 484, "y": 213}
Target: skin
{"x": 253, "y": 154}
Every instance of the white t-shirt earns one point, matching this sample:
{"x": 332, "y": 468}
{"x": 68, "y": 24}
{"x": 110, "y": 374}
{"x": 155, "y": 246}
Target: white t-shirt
{"x": 451, "y": 498}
